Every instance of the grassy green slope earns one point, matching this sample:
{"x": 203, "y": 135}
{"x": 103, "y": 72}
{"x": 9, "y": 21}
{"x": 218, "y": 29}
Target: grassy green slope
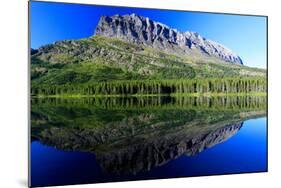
{"x": 98, "y": 59}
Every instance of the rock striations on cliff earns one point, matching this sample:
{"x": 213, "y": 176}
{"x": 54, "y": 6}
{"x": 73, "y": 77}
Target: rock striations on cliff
{"x": 142, "y": 30}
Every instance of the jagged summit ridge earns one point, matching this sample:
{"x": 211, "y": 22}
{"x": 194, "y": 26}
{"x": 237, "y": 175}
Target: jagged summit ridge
{"x": 142, "y": 30}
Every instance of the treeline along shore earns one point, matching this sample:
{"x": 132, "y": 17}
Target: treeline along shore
{"x": 156, "y": 87}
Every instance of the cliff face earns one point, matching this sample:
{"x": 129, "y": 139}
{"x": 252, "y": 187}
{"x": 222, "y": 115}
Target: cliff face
{"x": 142, "y": 30}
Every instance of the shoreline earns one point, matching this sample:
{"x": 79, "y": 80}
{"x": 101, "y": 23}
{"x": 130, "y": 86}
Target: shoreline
{"x": 257, "y": 94}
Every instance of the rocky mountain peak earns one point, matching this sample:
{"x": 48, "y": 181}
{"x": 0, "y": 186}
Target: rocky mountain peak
{"x": 142, "y": 30}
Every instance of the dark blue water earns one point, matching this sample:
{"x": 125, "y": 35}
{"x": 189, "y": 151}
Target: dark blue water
{"x": 244, "y": 152}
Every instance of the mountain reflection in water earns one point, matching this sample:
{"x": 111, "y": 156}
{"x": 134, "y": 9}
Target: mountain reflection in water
{"x": 129, "y": 135}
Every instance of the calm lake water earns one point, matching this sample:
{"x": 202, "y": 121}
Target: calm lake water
{"x": 117, "y": 139}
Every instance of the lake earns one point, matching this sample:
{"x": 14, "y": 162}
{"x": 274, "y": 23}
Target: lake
{"x": 105, "y": 139}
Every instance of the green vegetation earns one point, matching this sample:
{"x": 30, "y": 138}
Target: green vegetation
{"x": 146, "y": 103}
{"x": 150, "y": 87}
{"x": 92, "y": 112}
{"x": 106, "y": 66}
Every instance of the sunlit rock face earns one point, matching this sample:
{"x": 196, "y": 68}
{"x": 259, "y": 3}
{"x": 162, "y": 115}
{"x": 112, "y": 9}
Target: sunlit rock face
{"x": 142, "y": 30}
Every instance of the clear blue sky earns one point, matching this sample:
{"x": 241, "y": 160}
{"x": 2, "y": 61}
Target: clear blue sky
{"x": 245, "y": 35}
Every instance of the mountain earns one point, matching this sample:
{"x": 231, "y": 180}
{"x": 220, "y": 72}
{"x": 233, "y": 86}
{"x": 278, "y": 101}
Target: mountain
{"x": 142, "y": 30}
{"x": 119, "y": 51}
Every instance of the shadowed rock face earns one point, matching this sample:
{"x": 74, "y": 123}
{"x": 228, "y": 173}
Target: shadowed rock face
{"x": 122, "y": 153}
{"x": 203, "y": 142}
{"x": 142, "y": 30}
{"x": 159, "y": 151}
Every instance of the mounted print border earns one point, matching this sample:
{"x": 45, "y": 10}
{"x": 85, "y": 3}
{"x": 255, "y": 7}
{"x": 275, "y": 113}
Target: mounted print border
{"x": 126, "y": 93}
